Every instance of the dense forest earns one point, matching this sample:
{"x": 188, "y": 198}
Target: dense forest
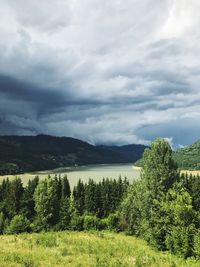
{"x": 19, "y": 154}
{"x": 162, "y": 207}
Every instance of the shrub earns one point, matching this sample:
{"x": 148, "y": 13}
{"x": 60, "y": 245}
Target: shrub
{"x": 91, "y": 223}
{"x": 76, "y": 223}
{"x": 2, "y": 223}
{"x": 180, "y": 240}
{"x": 36, "y": 226}
{"x": 103, "y": 224}
{"x": 18, "y": 224}
{"x": 113, "y": 221}
{"x": 197, "y": 244}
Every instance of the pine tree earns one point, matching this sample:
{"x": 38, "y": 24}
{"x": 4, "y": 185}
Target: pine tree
{"x": 28, "y": 203}
{"x": 79, "y": 197}
{"x": 14, "y": 197}
{"x": 65, "y": 214}
{"x": 90, "y": 197}
{"x": 66, "y": 191}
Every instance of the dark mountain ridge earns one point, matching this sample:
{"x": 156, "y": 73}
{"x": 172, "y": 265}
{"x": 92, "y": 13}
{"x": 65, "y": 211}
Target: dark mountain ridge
{"x": 33, "y": 153}
{"x": 131, "y": 152}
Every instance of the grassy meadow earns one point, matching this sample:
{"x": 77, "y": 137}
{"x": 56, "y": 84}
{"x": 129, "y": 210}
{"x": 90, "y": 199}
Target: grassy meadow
{"x": 83, "y": 249}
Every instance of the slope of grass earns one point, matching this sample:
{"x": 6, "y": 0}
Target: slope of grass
{"x": 82, "y": 249}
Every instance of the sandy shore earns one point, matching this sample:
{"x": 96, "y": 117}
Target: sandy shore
{"x": 137, "y": 168}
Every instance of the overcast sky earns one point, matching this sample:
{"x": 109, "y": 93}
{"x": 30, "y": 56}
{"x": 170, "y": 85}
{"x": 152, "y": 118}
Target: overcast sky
{"x": 109, "y": 72}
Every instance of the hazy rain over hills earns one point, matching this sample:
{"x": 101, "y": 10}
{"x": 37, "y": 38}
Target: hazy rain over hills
{"x": 112, "y": 72}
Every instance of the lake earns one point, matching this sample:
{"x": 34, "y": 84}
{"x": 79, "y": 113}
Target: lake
{"x": 96, "y": 172}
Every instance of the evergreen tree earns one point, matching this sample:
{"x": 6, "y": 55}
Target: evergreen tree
{"x": 14, "y": 197}
{"x": 4, "y": 196}
{"x": 106, "y": 197}
{"x": 2, "y": 223}
{"x": 28, "y": 203}
{"x": 65, "y": 214}
{"x": 90, "y": 197}
{"x": 66, "y": 191}
{"x": 79, "y": 197}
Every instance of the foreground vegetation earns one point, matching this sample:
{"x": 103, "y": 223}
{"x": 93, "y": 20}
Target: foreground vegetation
{"x": 163, "y": 207}
{"x": 100, "y": 249}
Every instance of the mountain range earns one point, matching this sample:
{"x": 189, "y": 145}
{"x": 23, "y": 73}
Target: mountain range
{"x": 20, "y": 154}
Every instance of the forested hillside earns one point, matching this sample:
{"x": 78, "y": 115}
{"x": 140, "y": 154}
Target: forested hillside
{"x": 33, "y": 153}
{"x": 188, "y": 157}
{"x": 131, "y": 152}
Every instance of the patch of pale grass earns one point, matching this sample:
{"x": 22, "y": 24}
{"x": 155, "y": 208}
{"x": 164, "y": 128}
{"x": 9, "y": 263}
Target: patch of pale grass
{"x": 83, "y": 249}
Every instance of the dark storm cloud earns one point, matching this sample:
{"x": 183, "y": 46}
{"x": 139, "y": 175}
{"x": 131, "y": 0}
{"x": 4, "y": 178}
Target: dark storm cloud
{"x": 106, "y": 72}
{"x": 16, "y": 89}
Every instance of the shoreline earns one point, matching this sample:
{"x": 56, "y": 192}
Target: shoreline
{"x": 137, "y": 168}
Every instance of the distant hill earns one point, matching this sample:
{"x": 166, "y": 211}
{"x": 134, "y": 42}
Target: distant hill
{"x": 131, "y": 153}
{"x": 189, "y": 157}
{"x": 33, "y": 153}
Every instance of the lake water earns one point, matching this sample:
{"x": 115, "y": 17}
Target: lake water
{"x": 96, "y": 172}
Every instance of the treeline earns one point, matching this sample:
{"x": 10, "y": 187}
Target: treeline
{"x": 163, "y": 207}
{"x": 49, "y": 204}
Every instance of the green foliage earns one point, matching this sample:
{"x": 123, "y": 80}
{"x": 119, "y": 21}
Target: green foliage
{"x": 84, "y": 249}
{"x": 192, "y": 185}
{"x": 113, "y": 221}
{"x": 76, "y": 222}
{"x": 18, "y": 224}
{"x": 159, "y": 170}
{"x": 91, "y": 203}
{"x": 14, "y": 197}
{"x": 132, "y": 207}
{"x": 79, "y": 197}
{"x": 45, "y": 198}
{"x": 180, "y": 240}
{"x": 66, "y": 191}
{"x": 48, "y": 241}
{"x": 91, "y": 222}
{"x": 163, "y": 207}
{"x": 2, "y": 223}
{"x": 27, "y": 201}
{"x": 197, "y": 244}
{"x": 189, "y": 157}
{"x": 65, "y": 214}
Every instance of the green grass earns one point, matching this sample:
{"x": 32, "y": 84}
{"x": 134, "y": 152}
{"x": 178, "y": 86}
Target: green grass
{"x": 83, "y": 249}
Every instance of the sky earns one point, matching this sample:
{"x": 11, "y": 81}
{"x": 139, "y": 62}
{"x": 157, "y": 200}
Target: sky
{"x": 107, "y": 72}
